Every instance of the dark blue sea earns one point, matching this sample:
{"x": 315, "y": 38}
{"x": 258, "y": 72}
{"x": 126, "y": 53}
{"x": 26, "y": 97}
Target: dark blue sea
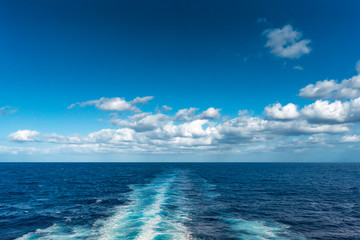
{"x": 248, "y": 201}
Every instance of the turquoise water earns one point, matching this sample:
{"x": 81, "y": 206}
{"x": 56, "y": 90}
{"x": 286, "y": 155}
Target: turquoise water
{"x": 179, "y": 201}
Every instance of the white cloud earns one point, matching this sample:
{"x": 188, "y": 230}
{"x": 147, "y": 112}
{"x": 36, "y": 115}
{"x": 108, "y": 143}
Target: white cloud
{"x": 188, "y": 114}
{"x": 277, "y": 111}
{"x": 286, "y": 42}
{"x": 166, "y": 108}
{"x": 321, "y": 112}
{"x": 187, "y": 131}
{"x": 24, "y": 136}
{"x": 192, "y": 129}
{"x": 146, "y": 132}
{"x": 184, "y": 115}
{"x": 113, "y": 136}
{"x": 114, "y": 104}
{"x": 333, "y": 112}
{"x": 350, "y": 139}
{"x": 142, "y": 122}
{"x": 17, "y": 150}
{"x": 142, "y": 100}
{"x": 210, "y": 113}
{"x": 249, "y": 129}
{"x": 358, "y": 67}
{"x": 298, "y": 67}
{"x": 331, "y": 89}
{"x": 55, "y": 138}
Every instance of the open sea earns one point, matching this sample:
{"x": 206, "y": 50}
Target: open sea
{"x": 163, "y": 201}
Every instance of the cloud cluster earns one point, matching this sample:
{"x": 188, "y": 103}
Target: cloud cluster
{"x": 321, "y": 111}
{"x": 286, "y": 42}
{"x": 188, "y": 114}
{"x": 147, "y": 132}
{"x": 142, "y": 122}
{"x": 17, "y": 150}
{"x": 322, "y": 123}
{"x": 333, "y": 112}
{"x": 331, "y": 89}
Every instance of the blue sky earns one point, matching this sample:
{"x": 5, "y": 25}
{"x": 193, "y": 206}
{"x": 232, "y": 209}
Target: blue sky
{"x": 218, "y": 57}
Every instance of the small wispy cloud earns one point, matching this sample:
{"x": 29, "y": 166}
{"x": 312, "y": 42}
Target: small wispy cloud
{"x": 114, "y": 104}
{"x": 261, "y": 20}
{"x": 7, "y": 110}
{"x": 358, "y": 67}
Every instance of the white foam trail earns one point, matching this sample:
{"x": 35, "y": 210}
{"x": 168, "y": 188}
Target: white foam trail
{"x": 144, "y": 218}
{"x": 261, "y": 230}
{"x": 152, "y": 216}
{"x": 56, "y": 232}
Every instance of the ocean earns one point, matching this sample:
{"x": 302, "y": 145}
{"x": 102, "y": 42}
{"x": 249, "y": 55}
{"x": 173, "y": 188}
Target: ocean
{"x": 163, "y": 201}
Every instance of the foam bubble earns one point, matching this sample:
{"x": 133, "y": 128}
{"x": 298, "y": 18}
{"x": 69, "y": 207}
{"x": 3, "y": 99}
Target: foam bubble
{"x": 261, "y": 230}
{"x": 146, "y": 217}
{"x": 57, "y": 232}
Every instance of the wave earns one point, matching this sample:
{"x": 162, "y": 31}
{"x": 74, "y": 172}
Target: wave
{"x": 160, "y": 210}
{"x": 261, "y": 230}
{"x": 145, "y": 217}
{"x": 57, "y": 232}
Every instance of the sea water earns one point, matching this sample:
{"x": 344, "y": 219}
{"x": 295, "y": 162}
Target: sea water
{"x": 164, "y": 201}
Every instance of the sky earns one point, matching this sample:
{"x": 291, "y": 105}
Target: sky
{"x": 179, "y": 80}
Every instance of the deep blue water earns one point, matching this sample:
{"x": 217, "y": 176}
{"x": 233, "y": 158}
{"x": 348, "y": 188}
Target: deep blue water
{"x": 249, "y": 201}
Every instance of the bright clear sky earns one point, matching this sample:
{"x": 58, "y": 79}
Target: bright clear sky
{"x": 179, "y": 80}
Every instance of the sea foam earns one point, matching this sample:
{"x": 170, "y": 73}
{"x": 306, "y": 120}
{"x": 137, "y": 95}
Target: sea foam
{"x": 145, "y": 217}
{"x": 261, "y": 230}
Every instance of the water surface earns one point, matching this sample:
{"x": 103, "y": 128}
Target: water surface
{"x": 248, "y": 201}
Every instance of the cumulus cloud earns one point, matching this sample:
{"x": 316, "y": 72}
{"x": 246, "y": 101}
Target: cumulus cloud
{"x": 210, "y": 113}
{"x": 147, "y": 132}
{"x": 142, "y": 122}
{"x": 286, "y": 42}
{"x": 186, "y": 114}
{"x": 277, "y": 111}
{"x": 114, "y": 136}
{"x": 114, "y": 104}
{"x": 142, "y": 100}
{"x": 189, "y": 130}
{"x": 333, "y": 112}
{"x": 248, "y": 128}
{"x": 321, "y": 112}
{"x": 24, "y": 136}
{"x": 350, "y": 139}
{"x": 331, "y": 89}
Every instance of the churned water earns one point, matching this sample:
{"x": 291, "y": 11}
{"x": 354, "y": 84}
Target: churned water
{"x": 163, "y": 201}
